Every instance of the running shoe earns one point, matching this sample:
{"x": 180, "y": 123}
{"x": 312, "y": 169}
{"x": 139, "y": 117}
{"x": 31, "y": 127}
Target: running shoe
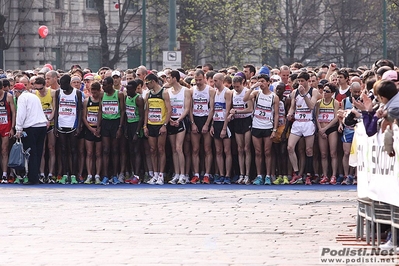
{"x": 219, "y": 180}
{"x": 147, "y": 178}
{"x": 315, "y": 179}
{"x": 279, "y": 180}
{"x": 81, "y": 180}
{"x": 160, "y": 180}
{"x": 347, "y": 181}
{"x": 324, "y": 180}
{"x": 105, "y": 181}
{"x": 174, "y": 180}
{"x": 121, "y": 178}
{"x": 63, "y": 180}
{"x": 296, "y": 179}
{"x": 97, "y": 180}
{"x": 258, "y": 180}
{"x": 26, "y": 180}
{"x": 268, "y": 180}
{"x": 340, "y": 179}
{"x": 247, "y": 180}
{"x": 11, "y": 180}
{"x": 135, "y": 180}
{"x": 4, "y": 180}
{"x": 308, "y": 180}
{"x": 182, "y": 180}
{"x": 89, "y": 180}
{"x": 73, "y": 180}
{"x": 152, "y": 181}
{"x": 115, "y": 180}
{"x": 240, "y": 180}
{"x": 333, "y": 180}
{"x": 41, "y": 179}
{"x": 227, "y": 181}
{"x": 18, "y": 180}
{"x": 206, "y": 180}
{"x": 50, "y": 179}
{"x": 285, "y": 180}
{"x": 195, "y": 180}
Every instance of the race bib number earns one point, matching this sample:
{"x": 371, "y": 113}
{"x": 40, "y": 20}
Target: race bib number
{"x": 110, "y": 107}
{"x": 263, "y": 113}
{"x": 67, "y": 108}
{"x": 130, "y": 112}
{"x": 154, "y": 115}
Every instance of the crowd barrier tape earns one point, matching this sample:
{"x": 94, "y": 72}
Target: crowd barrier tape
{"x": 377, "y": 172}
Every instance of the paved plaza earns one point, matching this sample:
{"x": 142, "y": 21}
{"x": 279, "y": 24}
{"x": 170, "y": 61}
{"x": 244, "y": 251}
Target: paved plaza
{"x": 170, "y": 225}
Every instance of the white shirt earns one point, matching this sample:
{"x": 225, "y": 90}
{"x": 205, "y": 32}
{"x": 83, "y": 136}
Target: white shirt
{"x": 29, "y": 112}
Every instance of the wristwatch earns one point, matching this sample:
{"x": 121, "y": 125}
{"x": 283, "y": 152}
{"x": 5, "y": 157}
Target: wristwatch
{"x": 274, "y": 130}
{"x": 165, "y": 124}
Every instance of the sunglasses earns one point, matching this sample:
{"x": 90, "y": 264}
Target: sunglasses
{"x": 327, "y": 91}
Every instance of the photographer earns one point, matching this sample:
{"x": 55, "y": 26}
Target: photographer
{"x": 348, "y": 118}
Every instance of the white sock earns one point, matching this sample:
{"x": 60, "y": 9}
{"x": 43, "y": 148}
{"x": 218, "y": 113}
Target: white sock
{"x": 151, "y": 173}
{"x": 4, "y": 173}
{"x": 155, "y": 174}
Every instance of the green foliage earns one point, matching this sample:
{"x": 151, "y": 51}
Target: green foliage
{"x": 224, "y": 32}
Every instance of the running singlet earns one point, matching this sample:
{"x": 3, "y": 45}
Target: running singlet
{"x": 156, "y": 108}
{"x": 201, "y": 101}
{"x": 302, "y": 112}
{"x": 177, "y": 102}
{"x": 92, "y": 112}
{"x": 263, "y": 114}
{"x": 239, "y": 104}
{"x": 5, "y": 112}
{"x": 326, "y": 112}
{"x": 281, "y": 112}
{"x": 220, "y": 106}
{"x": 339, "y": 97}
{"x": 47, "y": 102}
{"x": 132, "y": 111}
{"x": 67, "y": 113}
{"x": 110, "y": 108}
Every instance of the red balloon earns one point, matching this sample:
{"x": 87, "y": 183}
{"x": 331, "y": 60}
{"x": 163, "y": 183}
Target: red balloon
{"x": 43, "y": 31}
{"x": 116, "y": 6}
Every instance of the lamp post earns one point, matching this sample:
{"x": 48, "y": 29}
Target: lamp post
{"x": 172, "y": 25}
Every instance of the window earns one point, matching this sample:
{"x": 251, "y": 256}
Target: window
{"x": 94, "y": 58}
{"x": 57, "y": 4}
{"x": 133, "y": 6}
{"x": 90, "y": 4}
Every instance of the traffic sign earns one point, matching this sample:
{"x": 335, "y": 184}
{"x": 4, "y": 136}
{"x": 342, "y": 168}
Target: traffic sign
{"x": 172, "y": 59}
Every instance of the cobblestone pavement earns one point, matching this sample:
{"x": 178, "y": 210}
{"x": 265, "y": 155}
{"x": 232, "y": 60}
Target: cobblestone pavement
{"x": 169, "y": 225}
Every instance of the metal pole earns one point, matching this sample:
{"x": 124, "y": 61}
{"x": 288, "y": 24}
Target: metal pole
{"x": 384, "y": 30}
{"x": 287, "y": 23}
{"x": 172, "y": 25}
{"x": 144, "y": 37}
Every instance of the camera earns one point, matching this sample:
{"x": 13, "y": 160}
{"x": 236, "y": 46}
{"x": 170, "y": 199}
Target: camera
{"x": 350, "y": 119}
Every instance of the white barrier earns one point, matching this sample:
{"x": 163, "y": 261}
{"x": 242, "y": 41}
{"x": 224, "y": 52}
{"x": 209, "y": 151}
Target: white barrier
{"x": 377, "y": 173}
